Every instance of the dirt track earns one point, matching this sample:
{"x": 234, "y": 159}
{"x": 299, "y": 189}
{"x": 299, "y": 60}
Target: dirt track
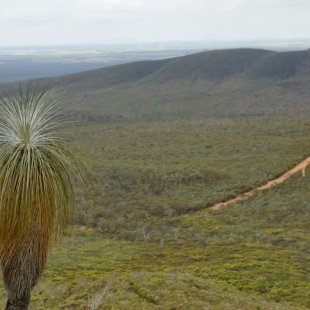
{"x": 300, "y": 167}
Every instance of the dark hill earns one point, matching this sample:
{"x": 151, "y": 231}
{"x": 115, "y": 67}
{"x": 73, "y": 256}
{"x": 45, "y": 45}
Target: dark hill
{"x": 280, "y": 65}
{"x": 218, "y": 64}
{"x": 215, "y": 65}
{"x": 114, "y": 75}
{"x": 215, "y": 83}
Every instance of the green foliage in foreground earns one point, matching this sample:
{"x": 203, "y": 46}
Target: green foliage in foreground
{"x": 153, "y": 252}
{"x": 139, "y": 275}
{"x": 259, "y": 246}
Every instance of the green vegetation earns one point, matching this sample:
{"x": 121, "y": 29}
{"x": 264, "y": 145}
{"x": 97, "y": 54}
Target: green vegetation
{"x": 258, "y": 246}
{"x": 154, "y": 252}
{"x": 161, "y": 151}
{"x": 143, "y": 171}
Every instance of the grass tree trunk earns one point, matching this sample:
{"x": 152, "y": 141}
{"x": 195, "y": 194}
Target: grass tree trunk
{"x": 20, "y": 302}
{"x": 18, "y": 287}
{"x": 22, "y": 272}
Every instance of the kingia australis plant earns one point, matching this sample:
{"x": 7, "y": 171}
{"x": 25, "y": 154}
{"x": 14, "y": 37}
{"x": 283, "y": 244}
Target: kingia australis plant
{"x": 37, "y": 171}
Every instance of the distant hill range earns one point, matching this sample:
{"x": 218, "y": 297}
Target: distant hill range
{"x": 216, "y": 83}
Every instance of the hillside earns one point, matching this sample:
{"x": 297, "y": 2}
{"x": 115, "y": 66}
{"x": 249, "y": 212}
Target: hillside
{"x": 216, "y": 83}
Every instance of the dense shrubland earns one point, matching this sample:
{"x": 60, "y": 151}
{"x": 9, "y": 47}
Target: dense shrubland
{"x": 143, "y": 235}
{"x": 141, "y": 173}
{"x": 251, "y": 255}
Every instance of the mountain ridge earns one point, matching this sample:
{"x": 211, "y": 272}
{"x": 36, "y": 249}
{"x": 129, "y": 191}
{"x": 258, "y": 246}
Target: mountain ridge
{"x": 221, "y": 83}
{"x": 215, "y": 64}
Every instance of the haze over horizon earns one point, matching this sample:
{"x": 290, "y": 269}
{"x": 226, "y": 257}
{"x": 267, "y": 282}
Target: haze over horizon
{"x": 58, "y": 22}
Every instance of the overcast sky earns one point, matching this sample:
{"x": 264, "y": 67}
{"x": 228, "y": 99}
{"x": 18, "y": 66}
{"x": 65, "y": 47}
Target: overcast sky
{"x": 50, "y": 22}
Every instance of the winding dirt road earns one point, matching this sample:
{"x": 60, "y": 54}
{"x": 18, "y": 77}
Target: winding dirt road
{"x": 300, "y": 167}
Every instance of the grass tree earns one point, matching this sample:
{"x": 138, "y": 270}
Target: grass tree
{"x": 38, "y": 168}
